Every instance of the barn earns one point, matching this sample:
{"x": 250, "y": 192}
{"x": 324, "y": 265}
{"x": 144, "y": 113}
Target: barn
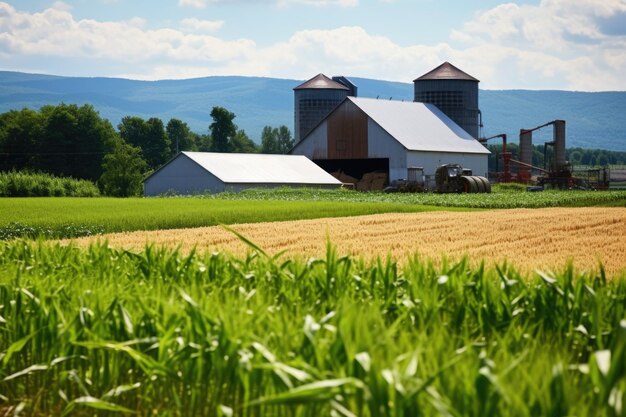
{"x": 207, "y": 172}
{"x": 363, "y": 135}
{"x": 384, "y": 140}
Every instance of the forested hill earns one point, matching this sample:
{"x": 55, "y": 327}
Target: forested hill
{"x": 594, "y": 120}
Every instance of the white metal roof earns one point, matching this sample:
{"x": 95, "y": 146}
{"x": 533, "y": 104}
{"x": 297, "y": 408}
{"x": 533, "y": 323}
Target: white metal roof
{"x": 419, "y": 126}
{"x": 249, "y": 168}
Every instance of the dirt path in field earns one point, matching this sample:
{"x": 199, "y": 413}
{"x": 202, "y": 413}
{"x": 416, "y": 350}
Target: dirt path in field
{"x": 529, "y": 238}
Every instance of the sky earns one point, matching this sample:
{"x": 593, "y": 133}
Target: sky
{"x": 542, "y": 44}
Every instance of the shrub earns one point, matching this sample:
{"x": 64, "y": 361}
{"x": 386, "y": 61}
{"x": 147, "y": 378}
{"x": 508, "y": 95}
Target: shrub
{"x": 23, "y": 184}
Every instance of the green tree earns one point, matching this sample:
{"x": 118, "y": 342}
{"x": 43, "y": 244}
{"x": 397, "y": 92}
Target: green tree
{"x": 64, "y": 140}
{"x": 180, "y": 136}
{"x": 203, "y": 142}
{"x": 20, "y": 133}
{"x": 575, "y": 157}
{"x": 149, "y": 136}
{"x": 72, "y": 144}
{"x": 222, "y": 129}
{"x": 276, "y": 140}
{"x": 58, "y": 145}
{"x": 268, "y": 140}
{"x": 124, "y": 169}
{"x": 285, "y": 140}
{"x": 242, "y": 143}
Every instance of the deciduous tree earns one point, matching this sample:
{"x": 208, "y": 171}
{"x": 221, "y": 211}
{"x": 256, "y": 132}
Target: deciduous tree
{"x": 124, "y": 169}
{"x": 222, "y": 129}
{"x": 243, "y": 144}
{"x": 276, "y": 140}
{"x": 180, "y": 136}
{"x": 149, "y": 136}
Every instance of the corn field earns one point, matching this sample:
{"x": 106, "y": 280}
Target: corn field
{"x": 530, "y": 238}
{"x": 104, "y": 331}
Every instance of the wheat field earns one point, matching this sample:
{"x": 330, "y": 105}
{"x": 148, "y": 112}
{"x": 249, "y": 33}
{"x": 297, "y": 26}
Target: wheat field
{"x": 528, "y": 238}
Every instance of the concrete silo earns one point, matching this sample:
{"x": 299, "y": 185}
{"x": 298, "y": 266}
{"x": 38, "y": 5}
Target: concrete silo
{"x": 454, "y": 92}
{"x": 314, "y": 100}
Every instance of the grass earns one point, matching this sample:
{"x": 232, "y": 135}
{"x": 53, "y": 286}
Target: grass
{"x": 109, "y": 332}
{"x": 52, "y": 217}
{"x": 72, "y": 217}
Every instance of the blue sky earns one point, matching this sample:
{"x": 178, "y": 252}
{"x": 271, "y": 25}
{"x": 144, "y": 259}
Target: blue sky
{"x": 540, "y": 44}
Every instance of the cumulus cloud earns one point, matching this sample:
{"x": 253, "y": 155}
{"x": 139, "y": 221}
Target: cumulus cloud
{"x": 577, "y": 45}
{"x": 200, "y": 26}
{"x": 55, "y": 32}
{"x": 557, "y": 44}
{"x": 60, "y": 5}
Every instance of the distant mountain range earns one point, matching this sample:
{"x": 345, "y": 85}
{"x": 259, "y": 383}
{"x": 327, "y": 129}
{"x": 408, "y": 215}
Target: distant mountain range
{"x": 594, "y": 120}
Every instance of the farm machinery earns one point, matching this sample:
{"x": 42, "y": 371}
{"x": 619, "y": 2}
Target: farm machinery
{"x": 453, "y": 178}
{"x": 555, "y": 173}
{"x": 449, "y": 178}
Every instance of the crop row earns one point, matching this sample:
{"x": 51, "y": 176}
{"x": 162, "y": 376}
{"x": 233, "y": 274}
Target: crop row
{"x": 106, "y": 331}
{"x": 503, "y": 197}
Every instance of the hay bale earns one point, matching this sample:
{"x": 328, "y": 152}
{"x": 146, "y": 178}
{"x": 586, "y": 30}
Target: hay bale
{"x": 345, "y": 178}
{"x": 378, "y": 184}
{"x": 363, "y": 186}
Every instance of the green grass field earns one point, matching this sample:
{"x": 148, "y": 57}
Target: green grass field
{"x": 106, "y": 332}
{"x": 73, "y": 217}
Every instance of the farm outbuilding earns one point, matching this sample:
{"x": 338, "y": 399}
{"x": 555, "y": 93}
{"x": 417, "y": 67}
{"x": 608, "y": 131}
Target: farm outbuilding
{"x": 364, "y": 135}
{"x": 207, "y": 172}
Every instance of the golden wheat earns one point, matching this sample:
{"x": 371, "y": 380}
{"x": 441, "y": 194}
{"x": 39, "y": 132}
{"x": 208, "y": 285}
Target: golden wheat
{"x": 529, "y": 238}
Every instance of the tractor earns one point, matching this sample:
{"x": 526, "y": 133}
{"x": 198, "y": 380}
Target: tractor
{"x": 453, "y": 178}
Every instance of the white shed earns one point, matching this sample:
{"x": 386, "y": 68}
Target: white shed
{"x": 207, "y": 172}
{"x": 384, "y": 135}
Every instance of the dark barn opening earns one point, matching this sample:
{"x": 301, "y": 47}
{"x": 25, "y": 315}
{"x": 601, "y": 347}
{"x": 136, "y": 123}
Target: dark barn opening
{"x": 355, "y": 167}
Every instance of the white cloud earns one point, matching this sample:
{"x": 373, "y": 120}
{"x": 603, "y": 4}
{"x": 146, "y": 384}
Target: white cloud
{"x": 60, "y": 5}
{"x": 555, "y": 45}
{"x": 567, "y": 43}
{"x": 200, "y": 26}
{"x": 55, "y": 33}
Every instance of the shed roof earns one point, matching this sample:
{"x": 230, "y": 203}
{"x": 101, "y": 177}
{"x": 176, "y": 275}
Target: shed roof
{"x": 446, "y": 71}
{"x": 419, "y": 126}
{"x": 322, "y": 82}
{"x": 249, "y": 168}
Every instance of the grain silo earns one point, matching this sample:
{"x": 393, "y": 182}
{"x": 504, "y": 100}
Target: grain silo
{"x": 314, "y": 100}
{"x": 454, "y": 92}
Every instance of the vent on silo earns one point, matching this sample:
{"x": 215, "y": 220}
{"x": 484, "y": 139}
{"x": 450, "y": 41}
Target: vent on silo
{"x": 348, "y": 84}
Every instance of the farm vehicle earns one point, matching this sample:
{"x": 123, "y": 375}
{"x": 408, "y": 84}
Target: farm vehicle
{"x": 453, "y": 178}
{"x": 449, "y": 178}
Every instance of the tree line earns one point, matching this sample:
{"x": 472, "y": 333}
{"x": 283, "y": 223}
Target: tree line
{"x": 74, "y": 141}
